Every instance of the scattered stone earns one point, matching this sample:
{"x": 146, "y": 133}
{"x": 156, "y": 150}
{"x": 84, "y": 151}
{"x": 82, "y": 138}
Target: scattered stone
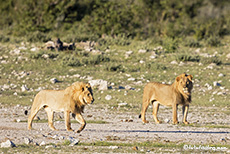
{"x": 114, "y": 147}
{"x": 122, "y": 104}
{"x": 100, "y": 84}
{"x": 42, "y": 143}
{"x": 34, "y": 49}
{"x": 24, "y": 88}
{"x": 215, "y": 83}
{"x": 108, "y": 97}
{"x": 61, "y": 138}
{"x": 15, "y": 52}
{"x": 50, "y": 146}
{"x": 45, "y": 56}
{"x": 54, "y": 80}
{"x": 228, "y": 56}
{"x": 8, "y": 144}
{"x": 142, "y": 51}
{"x": 142, "y": 61}
{"x": 74, "y": 142}
{"x": 221, "y": 75}
{"x": 174, "y": 62}
{"x": 28, "y": 141}
{"x": 131, "y": 79}
{"x": 167, "y": 120}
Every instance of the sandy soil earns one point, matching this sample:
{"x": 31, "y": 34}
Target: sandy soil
{"x": 120, "y": 126}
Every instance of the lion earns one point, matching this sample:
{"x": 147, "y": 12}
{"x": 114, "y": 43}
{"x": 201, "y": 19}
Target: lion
{"x": 178, "y": 93}
{"x": 71, "y": 100}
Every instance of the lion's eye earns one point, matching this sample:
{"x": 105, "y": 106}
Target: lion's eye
{"x": 88, "y": 95}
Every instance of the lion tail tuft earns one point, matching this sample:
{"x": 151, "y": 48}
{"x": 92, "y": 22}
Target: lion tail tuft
{"x": 140, "y": 116}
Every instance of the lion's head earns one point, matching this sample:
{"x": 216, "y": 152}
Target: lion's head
{"x": 184, "y": 83}
{"x": 82, "y": 92}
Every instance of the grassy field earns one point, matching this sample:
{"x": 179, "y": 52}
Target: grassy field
{"x": 121, "y": 65}
{"x": 31, "y": 69}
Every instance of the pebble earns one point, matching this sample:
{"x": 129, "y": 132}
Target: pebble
{"x": 7, "y": 144}
{"x": 174, "y": 62}
{"x": 74, "y": 142}
{"x": 54, "y": 80}
{"x": 42, "y": 143}
{"x": 27, "y": 140}
{"x": 108, "y": 97}
{"x": 131, "y": 79}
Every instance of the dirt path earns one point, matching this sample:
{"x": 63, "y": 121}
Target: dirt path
{"x": 121, "y": 127}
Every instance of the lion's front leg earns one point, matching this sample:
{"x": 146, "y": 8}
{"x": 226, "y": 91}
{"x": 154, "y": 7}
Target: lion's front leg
{"x": 81, "y": 120}
{"x": 175, "y": 120}
{"x": 185, "y": 113}
{"x": 67, "y": 121}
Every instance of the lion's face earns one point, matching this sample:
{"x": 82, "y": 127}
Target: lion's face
{"x": 185, "y": 84}
{"x": 86, "y": 96}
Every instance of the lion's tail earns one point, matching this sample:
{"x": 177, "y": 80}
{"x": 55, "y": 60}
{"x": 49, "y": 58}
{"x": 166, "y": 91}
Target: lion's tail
{"x": 139, "y": 115}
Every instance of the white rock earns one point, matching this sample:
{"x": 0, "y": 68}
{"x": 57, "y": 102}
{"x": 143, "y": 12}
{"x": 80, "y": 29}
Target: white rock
{"x": 108, "y": 97}
{"x": 114, "y": 147}
{"x": 122, "y": 104}
{"x": 42, "y": 143}
{"x": 221, "y": 75}
{"x": 34, "y": 49}
{"x": 142, "y": 61}
{"x": 7, "y": 144}
{"x": 215, "y": 83}
{"x": 129, "y": 52}
{"x": 46, "y": 56}
{"x": 142, "y": 51}
{"x": 50, "y": 146}
{"x": 131, "y": 79}
{"x": 74, "y": 142}
{"x": 53, "y": 80}
{"x": 228, "y": 56}
{"x": 27, "y": 140}
{"x": 22, "y": 48}
{"x": 15, "y": 52}
{"x": 174, "y": 62}
{"x": 24, "y": 88}
{"x": 99, "y": 83}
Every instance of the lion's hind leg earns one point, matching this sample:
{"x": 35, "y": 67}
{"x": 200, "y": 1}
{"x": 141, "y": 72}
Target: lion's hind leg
{"x": 33, "y": 113}
{"x": 145, "y": 106}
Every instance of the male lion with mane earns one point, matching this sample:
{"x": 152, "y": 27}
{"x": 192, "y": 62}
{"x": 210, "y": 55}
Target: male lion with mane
{"x": 178, "y": 93}
{"x": 71, "y": 100}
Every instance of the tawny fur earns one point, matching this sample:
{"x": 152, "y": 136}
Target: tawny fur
{"x": 71, "y": 100}
{"x": 178, "y": 93}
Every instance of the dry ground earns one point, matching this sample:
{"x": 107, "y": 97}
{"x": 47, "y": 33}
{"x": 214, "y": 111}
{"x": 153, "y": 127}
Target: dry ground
{"x": 121, "y": 127}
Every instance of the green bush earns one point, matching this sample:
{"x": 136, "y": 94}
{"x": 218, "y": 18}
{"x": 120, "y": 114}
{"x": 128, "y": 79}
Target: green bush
{"x": 213, "y": 41}
{"x": 192, "y": 43}
{"x": 74, "y": 60}
{"x": 170, "y": 45}
{"x": 186, "y": 57}
{"x": 209, "y": 60}
{"x": 71, "y": 60}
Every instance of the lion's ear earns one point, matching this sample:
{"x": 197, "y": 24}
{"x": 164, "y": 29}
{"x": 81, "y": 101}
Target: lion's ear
{"x": 190, "y": 77}
{"x": 178, "y": 78}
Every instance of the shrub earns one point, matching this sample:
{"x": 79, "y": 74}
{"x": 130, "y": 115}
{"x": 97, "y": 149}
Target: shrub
{"x": 170, "y": 45}
{"x": 192, "y": 43}
{"x": 209, "y": 60}
{"x": 186, "y": 57}
{"x": 213, "y": 41}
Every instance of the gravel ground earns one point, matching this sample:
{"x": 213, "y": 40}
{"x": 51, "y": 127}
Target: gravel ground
{"x": 120, "y": 126}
